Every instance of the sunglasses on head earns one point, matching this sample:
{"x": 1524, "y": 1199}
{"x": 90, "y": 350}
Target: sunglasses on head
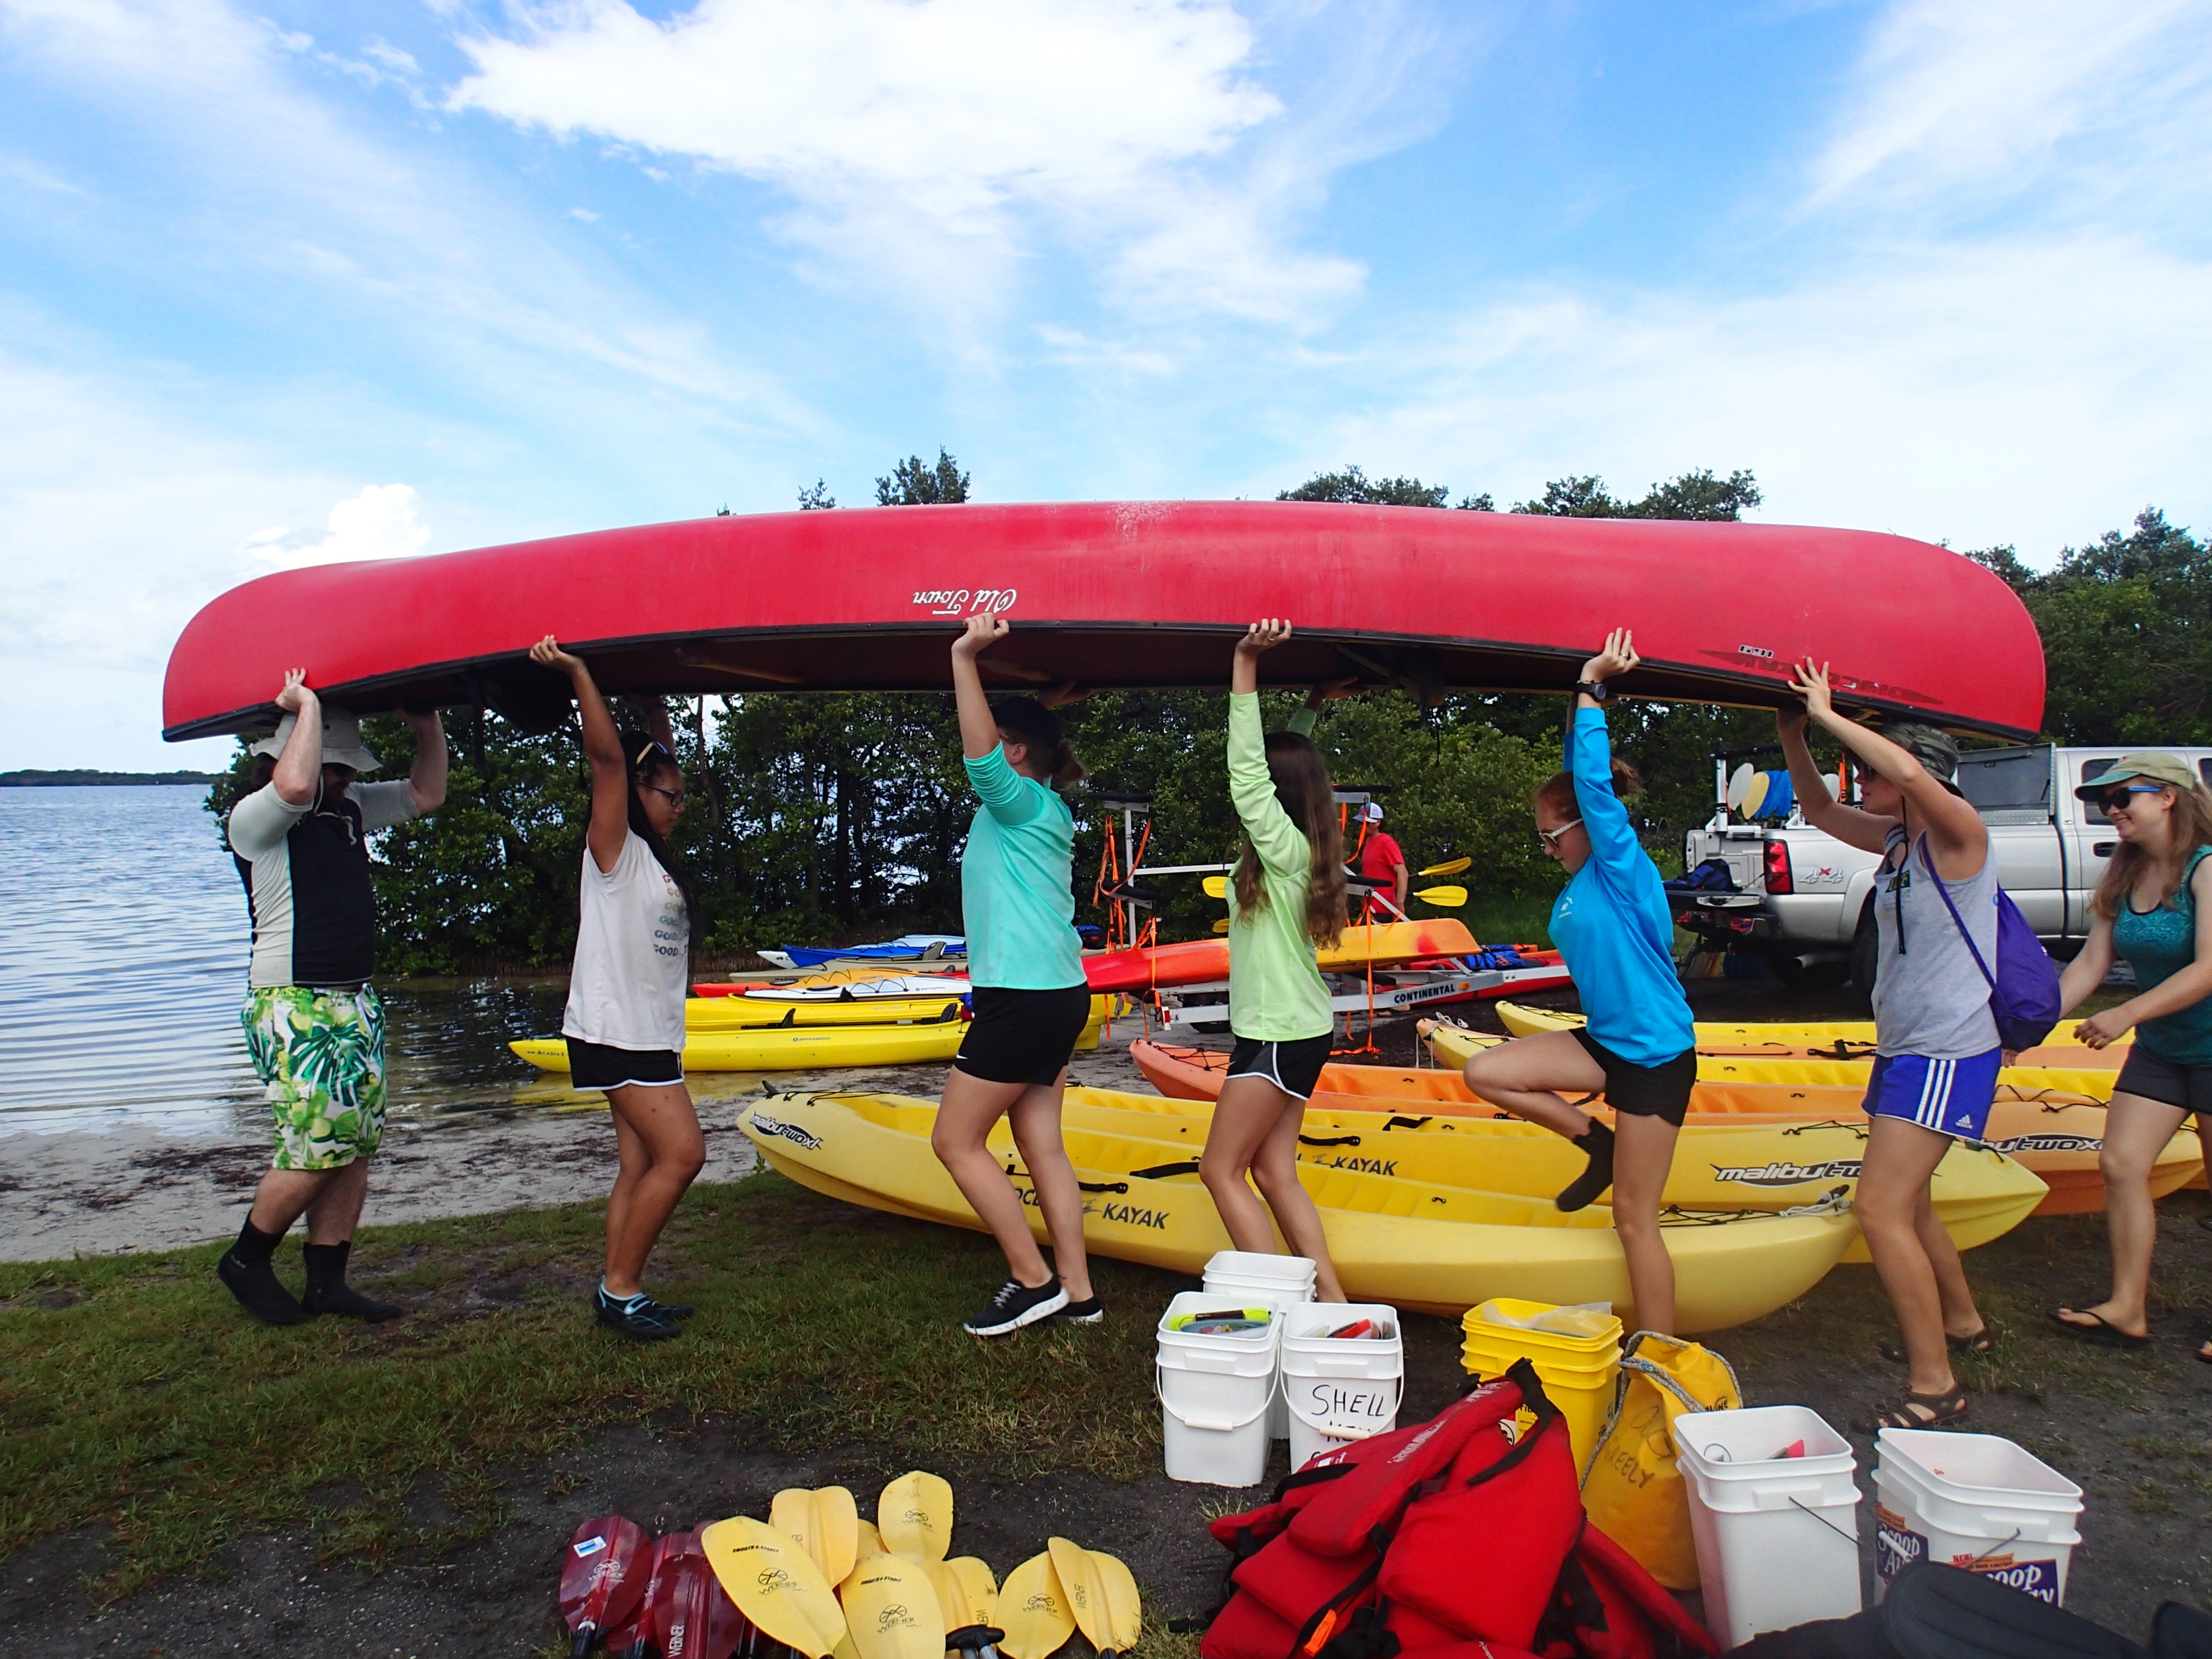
{"x": 2119, "y": 798}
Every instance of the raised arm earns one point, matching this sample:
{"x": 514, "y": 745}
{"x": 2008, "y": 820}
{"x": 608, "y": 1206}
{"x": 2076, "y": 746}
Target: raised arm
{"x": 1851, "y": 825}
{"x": 1589, "y": 757}
{"x": 1955, "y": 830}
{"x": 428, "y": 780}
{"x": 609, "y": 824}
{"x": 299, "y": 771}
{"x": 1275, "y": 836}
{"x": 979, "y": 732}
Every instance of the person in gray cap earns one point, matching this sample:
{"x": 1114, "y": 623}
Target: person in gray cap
{"x": 2153, "y": 907}
{"x": 1937, "y": 1054}
{"x": 315, "y": 1027}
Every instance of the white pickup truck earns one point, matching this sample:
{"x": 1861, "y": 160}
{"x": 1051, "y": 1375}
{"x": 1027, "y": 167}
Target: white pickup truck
{"x": 1796, "y": 895}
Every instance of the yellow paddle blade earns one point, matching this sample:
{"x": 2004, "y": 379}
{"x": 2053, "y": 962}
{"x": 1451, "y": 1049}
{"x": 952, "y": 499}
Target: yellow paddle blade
{"x": 1125, "y": 1617}
{"x": 1445, "y": 898}
{"x": 1222, "y": 925}
{"x": 1216, "y": 886}
{"x": 1086, "y": 1593}
{"x": 776, "y": 1584}
{"x": 914, "y": 1515}
{"x": 892, "y": 1610}
{"x": 978, "y": 1590}
{"x": 867, "y": 1542}
{"x": 1449, "y": 867}
{"x": 1033, "y": 1611}
{"x": 825, "y": 1521}
{"x": 951, "y": 1600}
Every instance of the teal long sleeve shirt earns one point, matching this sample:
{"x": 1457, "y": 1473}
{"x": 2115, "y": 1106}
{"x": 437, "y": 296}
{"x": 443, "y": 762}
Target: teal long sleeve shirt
{"x": 1016, "y": 883}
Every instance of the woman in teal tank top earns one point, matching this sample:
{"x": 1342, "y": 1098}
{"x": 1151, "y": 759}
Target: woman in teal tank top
{"x": 2153, "y": 908}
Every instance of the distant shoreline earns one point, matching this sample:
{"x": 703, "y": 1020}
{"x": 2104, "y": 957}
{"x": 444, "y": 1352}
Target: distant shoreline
{"x": 31, "y": 778}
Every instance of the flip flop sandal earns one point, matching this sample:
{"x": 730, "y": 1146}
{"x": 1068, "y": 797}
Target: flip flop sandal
{"x": 2103, "y": 1335}
{"x": 1941, "y": 1408}
{"x": 1981, "y": 1341}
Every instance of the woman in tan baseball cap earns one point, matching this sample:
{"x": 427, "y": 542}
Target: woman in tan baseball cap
{"x": 2153, "y": 907}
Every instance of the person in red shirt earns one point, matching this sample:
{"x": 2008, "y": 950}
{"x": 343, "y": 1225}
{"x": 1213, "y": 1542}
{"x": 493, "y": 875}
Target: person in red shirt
{"x": 1381, "y": 861}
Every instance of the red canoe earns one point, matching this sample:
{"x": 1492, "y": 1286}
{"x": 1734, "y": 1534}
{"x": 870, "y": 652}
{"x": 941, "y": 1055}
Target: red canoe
{"x": 1127, "y": 594}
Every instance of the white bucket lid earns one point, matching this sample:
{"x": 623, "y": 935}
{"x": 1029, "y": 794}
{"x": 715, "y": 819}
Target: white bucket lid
{"x": 1253, "y": 1264}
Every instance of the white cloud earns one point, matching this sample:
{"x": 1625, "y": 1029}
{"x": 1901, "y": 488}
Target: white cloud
{"x": 2035, "y": 393}
{"x": 917, "y": 140}
{"x": 379, "y": 523}
{"x": 585, "y": 215}
{"x": 1958, "y": 95}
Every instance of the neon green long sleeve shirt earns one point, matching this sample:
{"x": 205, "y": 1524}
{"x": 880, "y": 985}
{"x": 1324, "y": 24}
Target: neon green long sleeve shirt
{"x": 1275, "y": 991}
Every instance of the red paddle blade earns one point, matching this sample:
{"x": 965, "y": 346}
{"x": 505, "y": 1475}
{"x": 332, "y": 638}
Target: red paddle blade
{"x": 681, "y": 1558}
{"x": 702, "y": 1622}
{"x": 602, "y": 1575}
{"x": 633, "y": 1637}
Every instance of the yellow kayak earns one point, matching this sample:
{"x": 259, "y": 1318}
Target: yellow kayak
{"x": 801, "y": 1047}
{"x": 2057, "y": 1134}
{"x": 1421, "y": 1246}
{"x": 2094, "y": 1082}
{"x": 1783, "y": 1040}
{"x": 744, "y": 1013}
{"x": 1979, "y": 1196}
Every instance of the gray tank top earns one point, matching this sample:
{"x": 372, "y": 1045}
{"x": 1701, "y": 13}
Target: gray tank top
{"x": 1929, "y": 997}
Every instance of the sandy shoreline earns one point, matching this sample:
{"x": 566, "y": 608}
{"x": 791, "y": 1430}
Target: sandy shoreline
{"x": 85, "y": 1193}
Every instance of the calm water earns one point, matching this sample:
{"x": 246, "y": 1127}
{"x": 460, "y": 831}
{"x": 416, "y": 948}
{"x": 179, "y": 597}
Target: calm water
{"x": 123, "y": 947}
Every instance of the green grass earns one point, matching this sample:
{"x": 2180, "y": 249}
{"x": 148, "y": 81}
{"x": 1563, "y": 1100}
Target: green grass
{"x": 138, "y": 1398}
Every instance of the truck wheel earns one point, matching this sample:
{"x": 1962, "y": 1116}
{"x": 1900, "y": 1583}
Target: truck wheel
{"x": 1866, "y": 951}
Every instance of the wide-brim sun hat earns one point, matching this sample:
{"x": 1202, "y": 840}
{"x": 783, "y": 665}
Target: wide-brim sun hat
{"x": 342, "y": 745}
{"x": 2169, "y": 770}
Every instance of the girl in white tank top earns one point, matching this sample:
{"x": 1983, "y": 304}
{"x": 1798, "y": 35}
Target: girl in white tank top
{"x": 625, "y": 1015}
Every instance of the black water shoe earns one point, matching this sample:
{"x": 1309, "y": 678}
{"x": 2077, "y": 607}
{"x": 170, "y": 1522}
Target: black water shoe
{"x": 1089, "y": 1311}
{"x": 245, "y": 1269}
{"x": 1583, "y": 1191}
{"x": 327, "y": 1292}
{"x": 637, "y": 1317}
{"x": 676, "y": 1310}
{"x": 1017, "y": 1304}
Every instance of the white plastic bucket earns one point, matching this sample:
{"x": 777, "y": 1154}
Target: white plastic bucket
{"x": 1214, "y": 1393}
{"x": 1341, "y": 1388}
{"x": 1279, "y": 1281}
{"x": 1976, "y": 1501}
{"x": 1777, "y": 1537}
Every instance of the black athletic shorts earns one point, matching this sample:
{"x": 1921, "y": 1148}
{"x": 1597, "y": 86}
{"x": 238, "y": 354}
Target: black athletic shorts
{"x": 1023, "y": 1036}
{"x": 1660, "y": 1092}
{"x": 1293, "y": 1066}
{"x": 2189, "y": 1087}
{"x": 598, "y": 1066}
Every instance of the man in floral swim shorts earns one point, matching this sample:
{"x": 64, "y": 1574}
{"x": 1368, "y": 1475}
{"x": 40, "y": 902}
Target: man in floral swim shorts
{"x": 314, "y": 1028}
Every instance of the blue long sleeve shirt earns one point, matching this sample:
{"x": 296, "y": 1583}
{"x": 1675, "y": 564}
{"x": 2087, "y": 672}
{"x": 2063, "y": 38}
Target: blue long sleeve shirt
{"x": 1613, "y": 923}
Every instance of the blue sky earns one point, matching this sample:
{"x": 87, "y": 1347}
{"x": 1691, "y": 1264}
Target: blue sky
{"x": 295, "y": 282}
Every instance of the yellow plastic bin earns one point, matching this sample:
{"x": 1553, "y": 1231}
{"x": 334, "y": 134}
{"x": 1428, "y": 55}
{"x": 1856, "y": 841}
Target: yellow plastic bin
{"x": 1580, "y": 1373}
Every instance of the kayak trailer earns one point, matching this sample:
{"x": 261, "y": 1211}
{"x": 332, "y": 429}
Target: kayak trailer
{"x": 1131, "y": 595}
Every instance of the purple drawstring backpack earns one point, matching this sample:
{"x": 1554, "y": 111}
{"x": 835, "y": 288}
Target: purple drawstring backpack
{"x": 2024, "y": 990}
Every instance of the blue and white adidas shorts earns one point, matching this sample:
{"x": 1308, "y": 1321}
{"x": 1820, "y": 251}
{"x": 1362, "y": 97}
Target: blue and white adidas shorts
{"x": 1951, "y": 1096}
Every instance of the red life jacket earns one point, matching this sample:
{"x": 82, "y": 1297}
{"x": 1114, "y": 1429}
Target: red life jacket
{"x": 1452, "y": 1539}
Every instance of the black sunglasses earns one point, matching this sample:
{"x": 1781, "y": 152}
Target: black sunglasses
{"x": 2113, "y": 799}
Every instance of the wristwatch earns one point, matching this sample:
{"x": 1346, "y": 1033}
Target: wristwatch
{"x": 1594, "y": 689}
